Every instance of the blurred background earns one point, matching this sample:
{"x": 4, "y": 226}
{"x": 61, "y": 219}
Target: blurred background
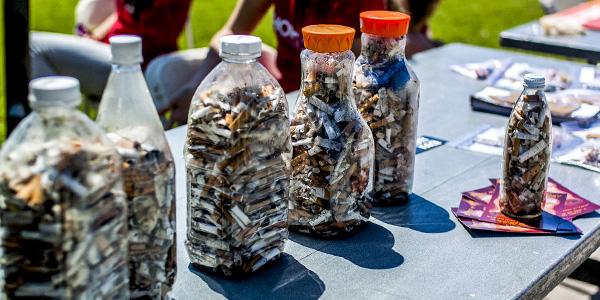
{"x": 476, "y": 22}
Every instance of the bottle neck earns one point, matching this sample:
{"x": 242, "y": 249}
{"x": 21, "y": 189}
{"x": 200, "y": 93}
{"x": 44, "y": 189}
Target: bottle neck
{"x": 133, "y": 68}
{"x": 378, "y": 49}
{"x": 533, "y": 94}
{"x": 239, "y": 60}
{"x": 328, "y": 76}
{"x": 55, "y": 107}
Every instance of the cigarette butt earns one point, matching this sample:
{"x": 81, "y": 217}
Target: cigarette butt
{"x": 368, "y": 103}
{"x": 311, "y": 88}
{"x": 380, "y": 123}
{"x": 267, "y": 90}
{"x": 515, "y": 147}
{"x": 314, "y": 150}
{"x": 229, "y": 119}
{"x": 592, "y": 136}
{"x": 32, "y": 191}
{"x": 239, "y": 120}
{"x": 532, "y": 173}
{"x": 300, "y": 167}
{"x": 300, "y": 158}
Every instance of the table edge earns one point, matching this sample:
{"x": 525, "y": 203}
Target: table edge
{"x": 562, "y": 268}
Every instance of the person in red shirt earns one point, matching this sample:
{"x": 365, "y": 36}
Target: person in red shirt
{"x": 292, "y": 15}
{"x": 87, "y": 56}
{"x": 157, "y": 22}
{"x": 420, "y": 11}
{"x": 289, "y": 18}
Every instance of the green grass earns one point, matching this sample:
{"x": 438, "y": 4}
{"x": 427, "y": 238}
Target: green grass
{"x": 52, "y": 15}
{"x": 480, "y": 22}
{"x": 477, "y": 22}
{"x": 210, "y": 16}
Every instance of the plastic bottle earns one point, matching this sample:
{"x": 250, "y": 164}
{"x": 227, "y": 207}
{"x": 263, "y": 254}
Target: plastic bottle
{"x": 527, "y": 152}
{"x": 128, "y": 114}
{"x": 332, "y": 163}
{"x": 387, "y": 96}
{"x": 237, "y": 157}
{"x": 63, "y": 213}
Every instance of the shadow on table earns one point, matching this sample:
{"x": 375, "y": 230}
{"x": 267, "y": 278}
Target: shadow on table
{"x": 371, "y": 247}
{"x": 283, "y": 279}
{"x": 418, "y": 214}
{"x": 591, "y": 215}
{"x": 494, "y": 234}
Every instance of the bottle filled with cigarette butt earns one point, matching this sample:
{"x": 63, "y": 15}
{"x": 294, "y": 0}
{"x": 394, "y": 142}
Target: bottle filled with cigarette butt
{"x": 332, "y": 165}
{"x": 387, "y": 95}
{"x": 237, "y": 155}
{"x": 63, "y": 215}
{"x": 527, "y": 152}
{"x": 127, "y": 113}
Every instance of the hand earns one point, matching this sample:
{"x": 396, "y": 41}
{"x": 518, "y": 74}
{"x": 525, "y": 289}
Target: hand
{"x": 179, "y": 106}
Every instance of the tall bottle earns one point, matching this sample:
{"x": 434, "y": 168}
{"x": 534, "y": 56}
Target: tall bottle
{"x": 387, "y": 96}
{"x": 527, "y": 152}
{"x": 63, "y": 212}
{"x": 332, "y": 175}
{"x": 127, "y": 113}
{"x": 237, "y": 157}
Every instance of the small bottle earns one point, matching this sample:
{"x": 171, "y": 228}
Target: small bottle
{"x": 527, "y": 152}
{"x": 387, "y": 96}
{"x": 237, "y": 155}
{"x": 63, "y": 215}
{"x": 128, "y": 114}
{"x": 332, "y": 175}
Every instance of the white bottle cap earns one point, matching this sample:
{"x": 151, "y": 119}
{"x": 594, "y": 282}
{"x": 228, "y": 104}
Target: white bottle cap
{"x": 534, "y": 81}
{"x": 54, "y": 91}
{"x": 240, "y": 47}
{"x": 126, "y": 49}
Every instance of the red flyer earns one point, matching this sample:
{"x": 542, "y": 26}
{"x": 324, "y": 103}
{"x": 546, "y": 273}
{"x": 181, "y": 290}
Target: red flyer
{"x": 479, "y": 209}
{"x": 479, "y": 225}
{"x": 574, "y": 206}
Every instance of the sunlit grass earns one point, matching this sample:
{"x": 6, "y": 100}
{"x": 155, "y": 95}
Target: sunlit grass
{"x": 480, "y": 22}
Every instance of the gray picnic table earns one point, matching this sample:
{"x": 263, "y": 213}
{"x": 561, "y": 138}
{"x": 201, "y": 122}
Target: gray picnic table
{"x": 416, "y": 251}
{"x": 530, "y": 36}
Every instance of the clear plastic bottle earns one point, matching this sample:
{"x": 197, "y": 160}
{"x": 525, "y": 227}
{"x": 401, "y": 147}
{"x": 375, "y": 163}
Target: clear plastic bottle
{"x": 332, "y": 163}
{"x": 63, "y": 212}
{"x": 127, "y": 113}
{"x": 527, "y": 152}
{"x": 387, "y": 95}
{"x": 237, "y": 157}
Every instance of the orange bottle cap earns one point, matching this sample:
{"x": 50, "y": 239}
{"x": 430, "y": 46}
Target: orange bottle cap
{"x": 384, "y": 23}
{"x": 328, "y": 38}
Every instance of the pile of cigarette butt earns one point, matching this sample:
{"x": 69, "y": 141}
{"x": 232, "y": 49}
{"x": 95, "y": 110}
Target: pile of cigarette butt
{"x": 237, "y": 156}
{"x": 526, "y": 158}
{"x": 149, "y": 183}
{"x": 63, "y": 216}
{"x": 387, "y": 95}
{"x": 332, "y": 155}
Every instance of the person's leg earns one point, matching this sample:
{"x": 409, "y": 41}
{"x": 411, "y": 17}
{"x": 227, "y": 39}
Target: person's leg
{"x": 67, "y": 55}
{"x": 168, "y": 73}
